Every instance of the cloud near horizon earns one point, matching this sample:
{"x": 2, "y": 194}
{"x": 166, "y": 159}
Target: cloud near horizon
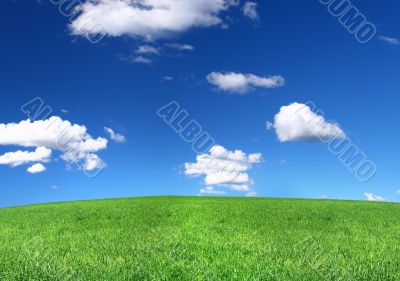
{"x": 223, "y": 168}
{"x": 297, "y": 122}
{"x": 53, "y": 134}
{"x": 373, "y": 197}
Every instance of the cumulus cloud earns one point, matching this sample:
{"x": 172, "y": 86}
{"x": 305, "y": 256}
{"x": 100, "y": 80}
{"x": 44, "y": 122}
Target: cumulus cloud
{"x": 148, "y": 19}
{"x": 373, "y": 197}
{"x": 71, "y": 140}
{"x": 17, "y": 158}
{"x": 224, "y": 168}
{"x": 115, "y": 136}
{"x": 390, "y": 40}
{"x": 243, "y": 83}
{"x": 250, "y": 10}
{"x": 297, "y": 122}
{"x": 36, "y": 168}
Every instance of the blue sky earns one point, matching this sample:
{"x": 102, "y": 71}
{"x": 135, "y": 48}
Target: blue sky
{"x": 223, "y": 66}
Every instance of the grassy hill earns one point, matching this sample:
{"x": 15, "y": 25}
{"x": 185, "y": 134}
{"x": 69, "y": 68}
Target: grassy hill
{"x": 187, "y": 238}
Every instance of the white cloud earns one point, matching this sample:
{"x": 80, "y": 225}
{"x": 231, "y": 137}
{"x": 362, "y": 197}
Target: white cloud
{"x": 115, "y": 136}
{"x": 250, "y": 10}
{"x": 17, "y": 158}
{"x": 243, "y": 83}
{"x": 148, "y": 19}
{"x": 180, "y": 47}
{"x": 142, "y": 60}
{"x": 373, "y": 197}
{"x": 225, "y": 168}
{"x": 147, "y": 49}
{"x": 72, "y": 140}
{"x": 211, "y": 190}
{"x": 390, "y": 40}
{"x": 297, "y": 122}
{"x": 36, "y": 168}
{"x": 168, "y": 78}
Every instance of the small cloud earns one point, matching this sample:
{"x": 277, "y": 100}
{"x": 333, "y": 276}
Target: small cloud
{"x": 324, "y": 197}
{"x": 168, "y": 78}
{"x": 36, "y": 168}
{"x": 54, "y": 186}
{"x": 180, "y": 47}
{"x": 243, "y": 83}
{"x": 390, "y": 40}
{"x": 141, "y": 59}
{"x": 269, "y": 125}
{"x": 211, "y": 190}
{"x": 297, "y": 122}
{"x": 283, "y": 162}
{"x": 250, "y": 10}
{"x": 147, "y": 50}
{"x": 115, "y": 136}
{"x": 373, "y": 197}
{"x": 64, "y": 111}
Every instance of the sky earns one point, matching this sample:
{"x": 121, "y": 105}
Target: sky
{"x": 108, "y": 99}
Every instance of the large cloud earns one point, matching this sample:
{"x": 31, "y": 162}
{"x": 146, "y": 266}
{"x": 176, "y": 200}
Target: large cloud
{"x": 243, "y": 83}
{"x": 149, "y": 19}
{"x": 72, "y": 140}
{"x": 297, "y": 122}
{"x": 224, "y": 168}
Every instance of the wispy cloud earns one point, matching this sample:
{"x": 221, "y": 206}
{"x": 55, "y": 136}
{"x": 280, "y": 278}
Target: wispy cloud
{"x": 147, "y": 50}
{"x": 390, "y": 40}
{"x": 211, "y": 190}
{"x": 115, "y": 136}
{"x": 180, "y": 47}
{"x": 141, "y": 60}
{"x": 250, "y": 10}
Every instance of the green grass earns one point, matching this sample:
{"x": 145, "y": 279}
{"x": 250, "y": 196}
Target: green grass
{"x": 199, "y": 238}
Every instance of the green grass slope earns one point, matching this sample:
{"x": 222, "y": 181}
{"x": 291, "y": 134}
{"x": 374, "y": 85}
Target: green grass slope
{"x": 186, "y": 238}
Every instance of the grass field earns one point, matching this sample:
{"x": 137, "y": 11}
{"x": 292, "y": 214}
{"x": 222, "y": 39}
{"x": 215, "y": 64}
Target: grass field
{"x": 199, "y": 238}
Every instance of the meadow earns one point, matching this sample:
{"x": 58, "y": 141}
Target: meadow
{"x": 201, "y": 238}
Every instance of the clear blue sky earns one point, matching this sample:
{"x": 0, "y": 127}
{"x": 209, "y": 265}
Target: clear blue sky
{"x": 100, "y": 85}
